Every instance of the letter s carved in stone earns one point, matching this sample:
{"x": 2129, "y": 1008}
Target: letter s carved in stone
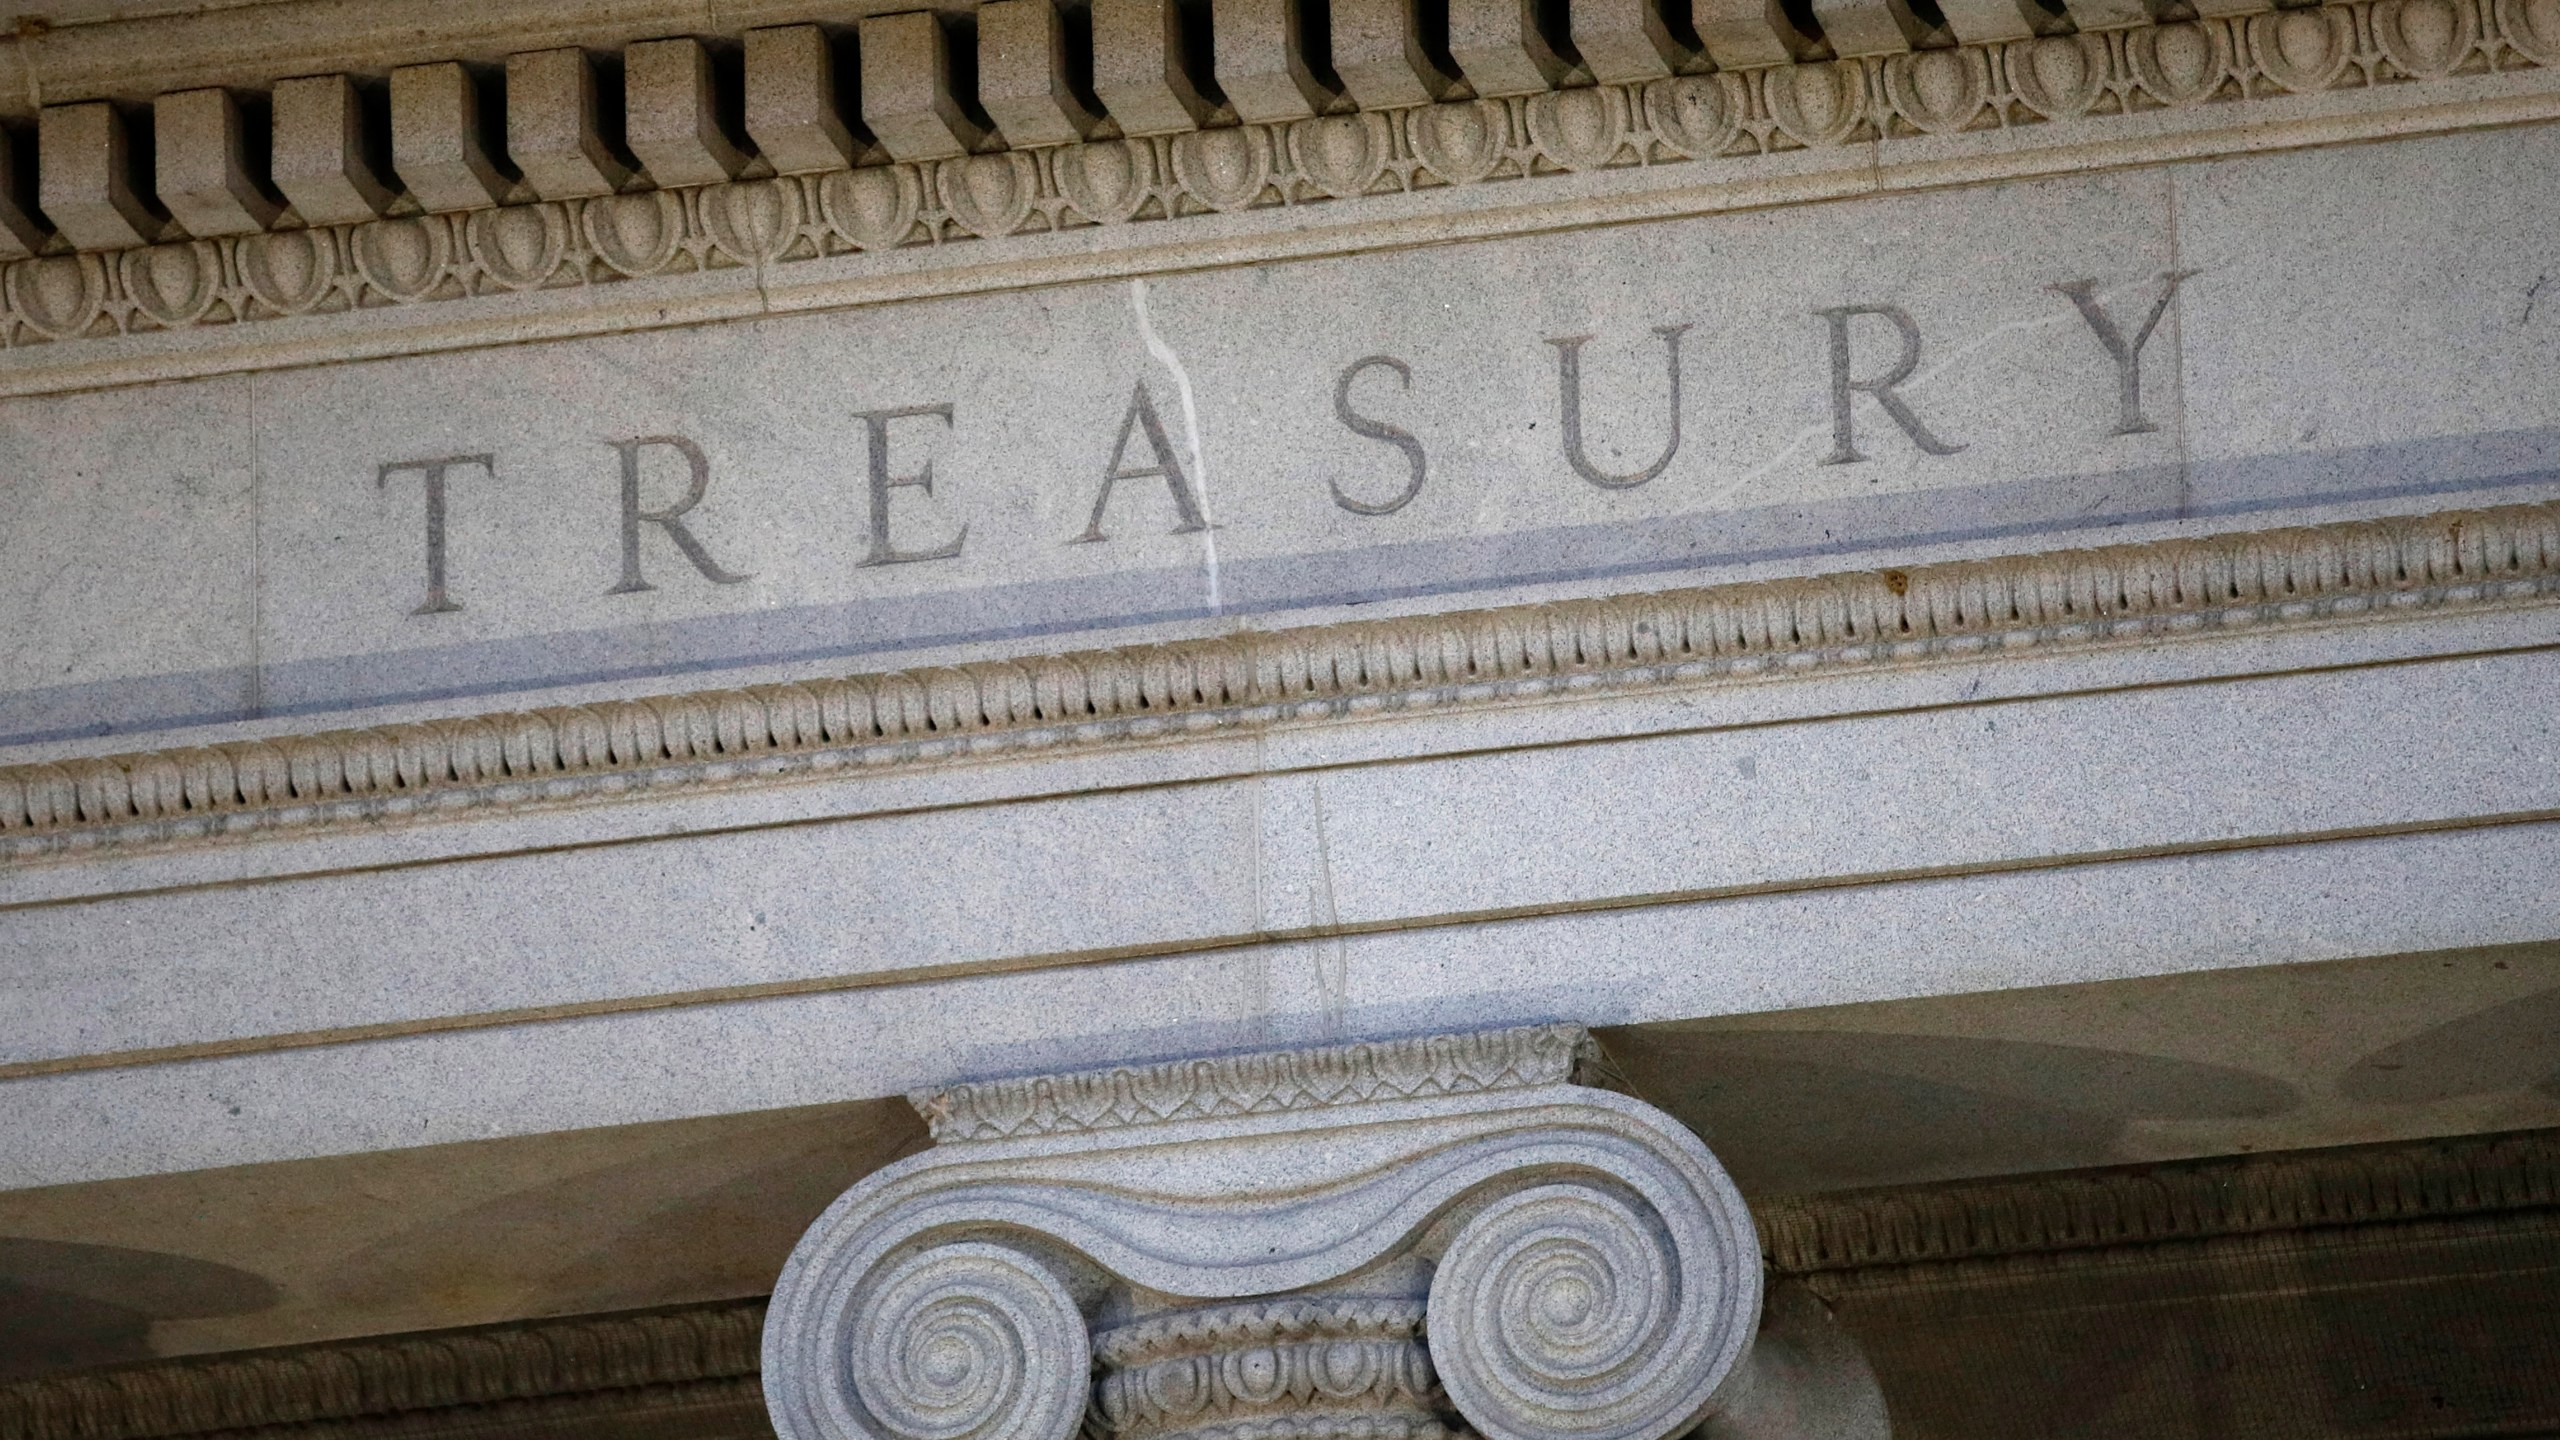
{"x": 1397, "y": 436}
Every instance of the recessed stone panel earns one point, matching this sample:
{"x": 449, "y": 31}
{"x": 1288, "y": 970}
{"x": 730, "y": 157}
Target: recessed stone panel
{"x": 1958, "y": 372}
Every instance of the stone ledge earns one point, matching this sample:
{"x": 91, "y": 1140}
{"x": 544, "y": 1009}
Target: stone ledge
{"x": 617, "y": 1369}
{"x": 774, "y": 734}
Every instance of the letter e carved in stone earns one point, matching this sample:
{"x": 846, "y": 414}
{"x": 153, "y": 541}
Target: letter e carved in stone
{"x": 876, "y": 424}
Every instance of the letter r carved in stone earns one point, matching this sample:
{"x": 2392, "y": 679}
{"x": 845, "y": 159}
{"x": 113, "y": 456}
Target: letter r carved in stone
{"x": 1880, "y": 388}
{"x": 669, "y": 518}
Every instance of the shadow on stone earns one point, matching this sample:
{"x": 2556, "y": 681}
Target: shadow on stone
{"x": 66, "y": 1306}
{"x": 1806, "y": 1111}
{"x": 2512, "y": 1047}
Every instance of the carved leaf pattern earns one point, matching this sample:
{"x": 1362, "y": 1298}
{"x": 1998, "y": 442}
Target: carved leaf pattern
{"x": 1108, "y": 180}
{"x": 2425, "y": 38}
{"x": 874, "y": 208}
{"x": 990, "y": 195}
{"x": 290, "y": 271}
{"x": 1817, "y": 104}
{"x": 520, "y": 246}
{"x": 1225, "y": 168}
{"x": 1937, "y": 91}
{"x": 2533, "y": 28}
{"x": 1255, "y": 1084}
{"x": 1461, "y": 142}
{"x": 2181, "y": 64}
{"x": 753, "y": 221}
{"x": 405, "y": 259}
{"x": 60, "y": 295}
{"x": 1578, "y": 129}
{"x": 1346, "y": 1368}
{"x": 1343, "y": 154}
{"x": 635, "y": 234}
{"x": 2303, "y": 49}
{"x": 1698, "y": 116}
{"x": 2059, "y": 76}
{"x": 174, "y": 284}
{"x": 2318, "y": 574}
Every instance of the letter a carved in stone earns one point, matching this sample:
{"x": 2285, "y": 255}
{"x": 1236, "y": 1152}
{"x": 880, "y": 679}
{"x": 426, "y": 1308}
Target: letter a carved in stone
{"x": 1142, "y": 416}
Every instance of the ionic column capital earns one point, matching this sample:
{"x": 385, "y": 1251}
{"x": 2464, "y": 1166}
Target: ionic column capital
{"x": 1381, "y": 1241}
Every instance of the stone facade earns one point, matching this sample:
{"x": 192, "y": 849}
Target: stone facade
{"x": 611, "y": 613}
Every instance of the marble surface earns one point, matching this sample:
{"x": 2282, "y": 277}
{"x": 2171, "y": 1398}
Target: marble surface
{"x": 1240, "y": 369}
{"x": 1407, "y": 846}
{"x": 2212, "y": 797}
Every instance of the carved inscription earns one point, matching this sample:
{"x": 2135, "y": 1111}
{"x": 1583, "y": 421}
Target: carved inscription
{"x": 438, "y": 600}
{"x": 669, "y": 518}
{"x": 1359, "y": 424}
{"x": 2126, "y": 353}
{"x": 1569, "y": 397}
{"x": 1142, "y": 419}
{"x": 1872, "y": 352}
{"x": 1880, "y": 388}
{"x": 884, "y": 551}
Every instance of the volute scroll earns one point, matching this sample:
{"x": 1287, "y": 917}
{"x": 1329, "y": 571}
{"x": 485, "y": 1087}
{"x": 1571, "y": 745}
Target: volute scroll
{"x": 1403, "y": 1240}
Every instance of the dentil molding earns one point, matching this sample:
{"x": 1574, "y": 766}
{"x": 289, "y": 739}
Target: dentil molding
{"x": 1738, "y": 137}
{"x": 1857, "y": 621}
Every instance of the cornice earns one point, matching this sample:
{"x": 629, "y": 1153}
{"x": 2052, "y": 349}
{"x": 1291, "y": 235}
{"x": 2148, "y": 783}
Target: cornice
{"x": 631, "y": 1367}
{"x": 2205, "y": 1200}
{"x": 1087, "y": 1101}
{"x": 1857, "y": 621}
{"x": 1113, "y": 207}
{"x": 616, "y": 1367}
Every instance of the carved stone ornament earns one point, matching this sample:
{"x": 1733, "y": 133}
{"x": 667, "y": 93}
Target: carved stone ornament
{"x": 1400, "y": 1240}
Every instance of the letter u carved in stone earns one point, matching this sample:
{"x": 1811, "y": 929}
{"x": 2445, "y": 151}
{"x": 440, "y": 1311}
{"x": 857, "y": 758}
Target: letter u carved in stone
{"x": 1186, "y": 1251}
